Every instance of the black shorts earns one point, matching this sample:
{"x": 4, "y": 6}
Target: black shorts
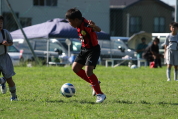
{"x": 89, "y": 56}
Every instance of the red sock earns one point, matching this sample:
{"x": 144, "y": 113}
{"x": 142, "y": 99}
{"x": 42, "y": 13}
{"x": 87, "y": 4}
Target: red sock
{"x": 95, "y": 84}
{"x": 83, "y": 75}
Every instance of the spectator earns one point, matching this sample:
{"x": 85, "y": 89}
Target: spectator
{"x": 141, "y": 48}
{"x": 151, "y": 54}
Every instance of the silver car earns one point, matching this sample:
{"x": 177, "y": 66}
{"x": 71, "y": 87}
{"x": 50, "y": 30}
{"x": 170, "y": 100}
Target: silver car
{"x": 114, "y": 49}
{"x": 15, "y": 54}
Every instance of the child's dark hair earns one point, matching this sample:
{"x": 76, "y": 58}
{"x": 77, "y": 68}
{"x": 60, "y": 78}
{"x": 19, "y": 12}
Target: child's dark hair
{"x": 1, "y": 18}
{"x": 174, "y": 24}
{"x": 73, "y": 13}
{"x": 156, "y": 39}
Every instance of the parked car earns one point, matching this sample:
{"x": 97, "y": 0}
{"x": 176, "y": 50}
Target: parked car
{"x": 15, "y": 54}
{"x": 114, "y": 49}
{"x": 58, "y": 49}
{"x": 124, "y": 39}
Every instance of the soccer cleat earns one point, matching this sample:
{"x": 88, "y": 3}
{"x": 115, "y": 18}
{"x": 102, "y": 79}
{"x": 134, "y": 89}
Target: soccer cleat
{"x": 93, "y": 92}
{"x": 3, "y": 87}
{"x": 100, "y": 98}
{"x": 168, "y": 79}
{"x": 14, "y": 98}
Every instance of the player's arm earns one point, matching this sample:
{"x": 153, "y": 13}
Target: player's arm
{"x": 139, "y": 49}
{"x": 165, "y": 47}
{"x": 92, "y": 24}
{"x": 166, "y": 43}
{"x": 8, "y": 41}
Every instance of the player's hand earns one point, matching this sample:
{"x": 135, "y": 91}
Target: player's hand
{"x": 91, "y": 23}
{"x": 164, "y": 55}
{"x": 5, "y": 43}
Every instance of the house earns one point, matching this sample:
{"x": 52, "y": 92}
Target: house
{"x": 130, "y": 16}
{"x": 31, "y": 12}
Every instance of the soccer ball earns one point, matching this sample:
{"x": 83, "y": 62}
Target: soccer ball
{"x": 133, "y": 66}
{"x": 67, "y": 90}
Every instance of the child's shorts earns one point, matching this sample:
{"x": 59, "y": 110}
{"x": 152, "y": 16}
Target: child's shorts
{"x": 171, "y": 57}
{"x": 6, "y": 66}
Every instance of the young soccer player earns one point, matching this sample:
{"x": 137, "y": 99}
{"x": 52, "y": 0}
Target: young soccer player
{"x": 171, "y": 51}
{"x": 6, "y": 66}
{"x": 90, "y": 50}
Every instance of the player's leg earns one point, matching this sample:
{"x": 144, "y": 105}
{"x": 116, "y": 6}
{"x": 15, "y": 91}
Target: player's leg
{"x": 91, "y": 62}
{"x": 93, "y": 79}
{"x": 8, "y": 72}
{"x": 77, "y": 68}
{"x": 175, "y": 73}
{"x": 175, "y": 65}
{"x": 95, "y": 84}
{"x": 3, "y": 85}
{"x": 2, "y": 79}
{"x": 169, "y": 62}
{"x": 12, "y": 88}
{"x": 168, "y": 72}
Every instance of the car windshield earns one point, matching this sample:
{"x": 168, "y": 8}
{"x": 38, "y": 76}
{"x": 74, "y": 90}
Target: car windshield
{"x": 23, "y": 46}
{"x": 12, "y": 49}
{"x": 119, "y": 43}
{"x": 54, "y": 45}
{"x": 75, "y": 45}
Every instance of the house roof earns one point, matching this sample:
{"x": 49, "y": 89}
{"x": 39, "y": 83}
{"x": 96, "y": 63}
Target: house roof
{"x": 128, "y": 3}
{"x": 122, "y": 2}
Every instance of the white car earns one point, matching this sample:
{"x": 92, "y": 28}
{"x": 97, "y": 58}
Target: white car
{"x": 15, "y": 54}
{"x": 114, "y": 49}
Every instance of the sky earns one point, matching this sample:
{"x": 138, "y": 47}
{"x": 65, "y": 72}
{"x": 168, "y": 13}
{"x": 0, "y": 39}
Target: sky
{"x": 170, "y": 2}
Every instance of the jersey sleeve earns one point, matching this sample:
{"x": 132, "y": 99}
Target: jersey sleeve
{"x": 166, "y": 42}
{"x": 88, "y": 29}
{"x": 8, "y": 36}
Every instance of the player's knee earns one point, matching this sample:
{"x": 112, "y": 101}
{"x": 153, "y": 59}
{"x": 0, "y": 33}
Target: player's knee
{"x": 76, "y": 69}
{"x": 89, "y": 73}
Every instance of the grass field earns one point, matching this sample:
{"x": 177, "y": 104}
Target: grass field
{"x": 141, "y": 93}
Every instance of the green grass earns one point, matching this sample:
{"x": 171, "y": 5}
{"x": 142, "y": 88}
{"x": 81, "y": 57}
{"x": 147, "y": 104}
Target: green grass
{"x": 141, "y": 93}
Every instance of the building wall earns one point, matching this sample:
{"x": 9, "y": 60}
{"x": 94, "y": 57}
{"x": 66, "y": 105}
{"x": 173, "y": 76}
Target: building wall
{"x": 96, "y": 10}
{"x": 116, "y": 22}
{"x": 148, "y": 9}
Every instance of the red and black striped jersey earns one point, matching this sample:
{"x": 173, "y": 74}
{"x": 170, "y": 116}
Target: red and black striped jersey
{"x": 87, "y": 35}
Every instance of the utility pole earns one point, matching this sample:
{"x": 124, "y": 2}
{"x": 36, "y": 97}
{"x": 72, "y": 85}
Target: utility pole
{"x": 0, "y": 7}
{"x": 128, "y": 21}
{"x": 176, "y": 11}
{"x": 19, "y": 25}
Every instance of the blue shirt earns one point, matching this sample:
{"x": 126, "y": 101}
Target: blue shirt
{"x": 140, "y": 47}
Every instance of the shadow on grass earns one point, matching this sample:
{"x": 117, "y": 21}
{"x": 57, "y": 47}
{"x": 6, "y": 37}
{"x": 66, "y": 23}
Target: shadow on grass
{"x": 89, "y": 102}
{"x": 34, "y": 100}
{"x": 144, "y": 102}
{"x": 55, "y": 101}
{"x": 165, "y": 103}
{"x": 125, "y": 102}
{"x": 71, "y": 101}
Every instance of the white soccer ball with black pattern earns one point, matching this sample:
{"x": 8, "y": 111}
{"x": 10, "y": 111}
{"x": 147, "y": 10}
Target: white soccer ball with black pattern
{"x": 133, "y": 66}
{"x": 68, "y": 90}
